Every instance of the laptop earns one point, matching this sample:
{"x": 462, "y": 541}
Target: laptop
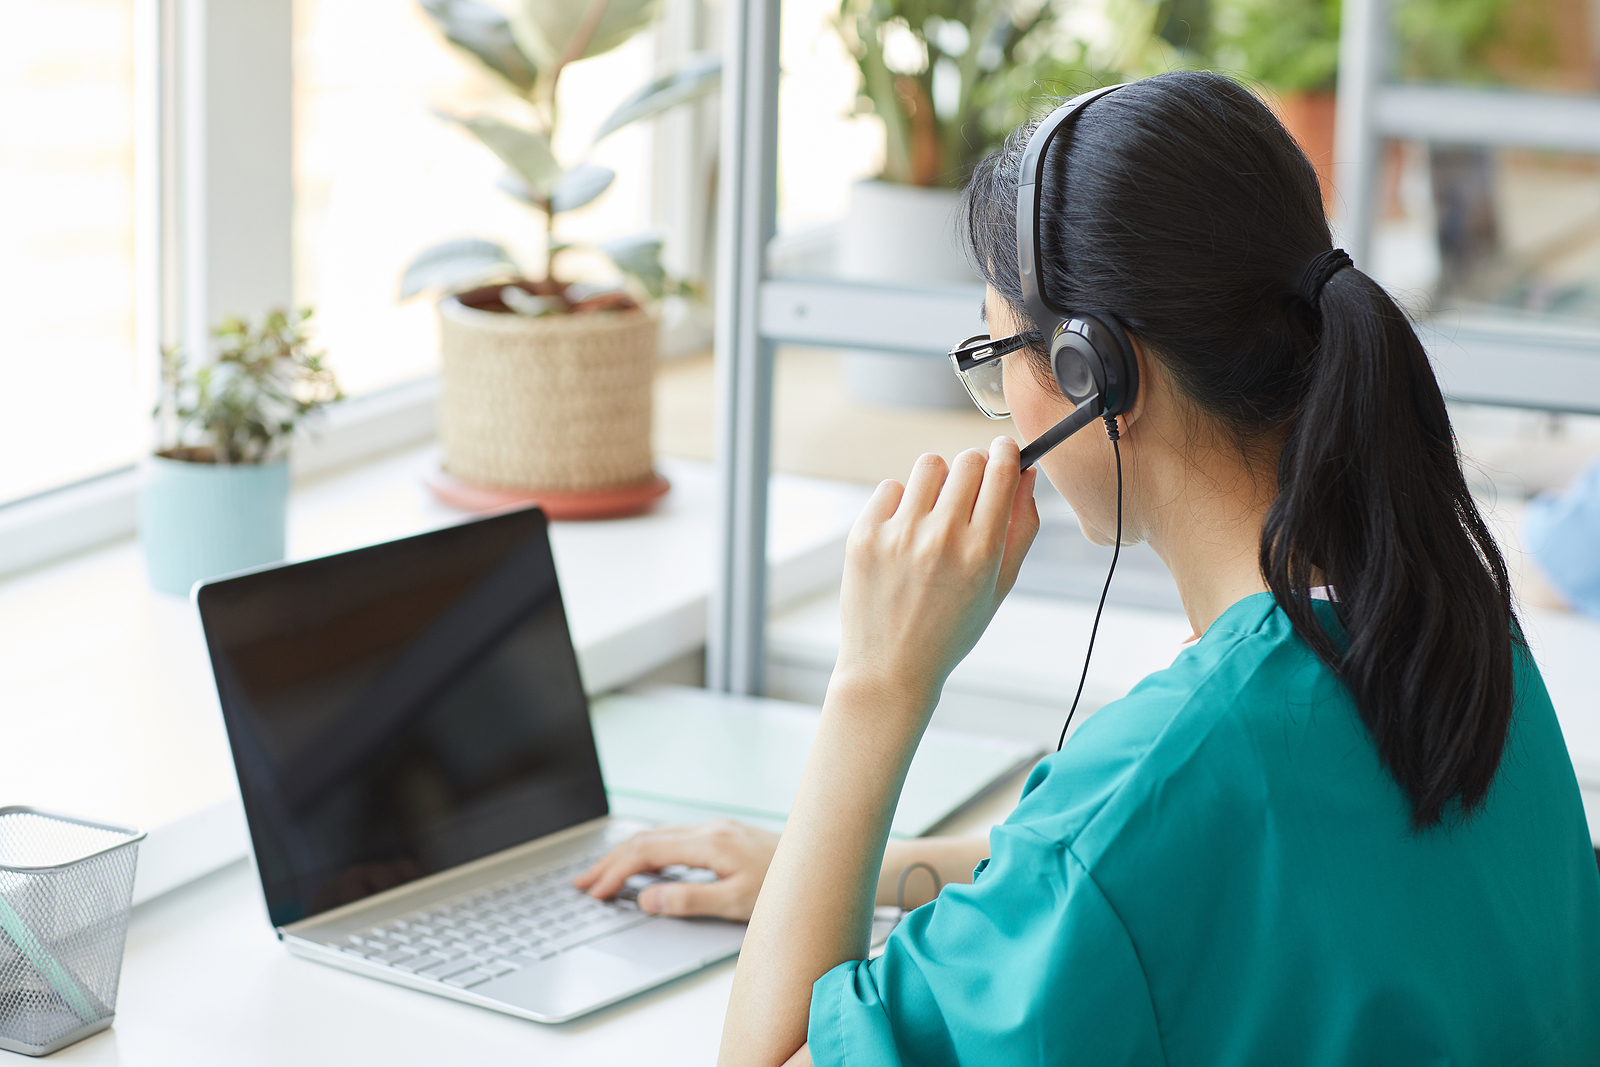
{"x": 418, "y": 770}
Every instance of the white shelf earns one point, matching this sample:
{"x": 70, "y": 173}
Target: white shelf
{"x": 1502, "y": 118}
{"x": 852, "y": 314}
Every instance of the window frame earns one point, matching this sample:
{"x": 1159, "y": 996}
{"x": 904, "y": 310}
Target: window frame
{"x": 213, "y": 233}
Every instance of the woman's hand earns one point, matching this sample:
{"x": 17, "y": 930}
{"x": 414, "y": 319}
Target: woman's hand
{"x": 925, "y": 568}
{"x": 739, "y": 854}
{"x": 928, "y": 564}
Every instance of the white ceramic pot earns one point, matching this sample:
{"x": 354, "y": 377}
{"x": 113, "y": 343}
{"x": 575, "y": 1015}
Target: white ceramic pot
{"x": 905, "y": 234}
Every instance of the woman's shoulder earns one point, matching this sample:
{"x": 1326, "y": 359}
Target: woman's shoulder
{"x": 1225, "y": 700}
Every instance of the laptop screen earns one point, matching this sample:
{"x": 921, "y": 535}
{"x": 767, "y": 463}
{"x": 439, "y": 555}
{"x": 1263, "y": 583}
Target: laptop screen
{"x": 401, "y": 709}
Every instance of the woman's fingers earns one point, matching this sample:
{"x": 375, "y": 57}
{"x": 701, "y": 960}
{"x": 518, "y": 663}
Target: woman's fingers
{"x": 885, "y": 499}
{"x": 1001, "y": 473}
{"x": 649, "y": 851}
{"x": 922, "y": 488}
{"x": 739, "y": 855}
{"x": 961, "y": 487}
{"x": 733, "y": 898}
{"x": 1021, "y": 528}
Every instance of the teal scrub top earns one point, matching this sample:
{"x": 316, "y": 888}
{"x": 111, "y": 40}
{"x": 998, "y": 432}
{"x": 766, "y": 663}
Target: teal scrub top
{"x": 1216, "y": 870}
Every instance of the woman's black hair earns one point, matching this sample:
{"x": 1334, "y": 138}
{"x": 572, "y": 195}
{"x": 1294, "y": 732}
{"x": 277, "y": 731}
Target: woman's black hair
{"x": 1180, "y": 206}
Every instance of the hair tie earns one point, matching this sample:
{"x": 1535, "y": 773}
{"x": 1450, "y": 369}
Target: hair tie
{"x": 1324, "y": 266}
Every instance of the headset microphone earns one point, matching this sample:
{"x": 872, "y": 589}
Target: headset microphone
{"x": 1087, "y": 412}
{"x": 1091, "y": 355}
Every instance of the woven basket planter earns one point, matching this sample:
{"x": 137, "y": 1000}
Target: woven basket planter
{"x": 559, "y": 404}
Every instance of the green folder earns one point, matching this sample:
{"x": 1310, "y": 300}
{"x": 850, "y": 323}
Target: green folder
{"x": 676, "y": 754}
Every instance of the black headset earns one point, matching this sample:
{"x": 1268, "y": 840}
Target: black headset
{"x": 1090, "y": 355}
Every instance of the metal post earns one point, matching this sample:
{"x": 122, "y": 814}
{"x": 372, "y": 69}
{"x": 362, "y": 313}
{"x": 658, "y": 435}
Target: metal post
{"x": 1357, "y": 150}
{"x": 736, "y": 624}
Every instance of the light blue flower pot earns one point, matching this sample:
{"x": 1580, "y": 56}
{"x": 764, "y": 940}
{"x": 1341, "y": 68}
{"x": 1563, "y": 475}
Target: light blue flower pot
{"x": 199, "y": 520}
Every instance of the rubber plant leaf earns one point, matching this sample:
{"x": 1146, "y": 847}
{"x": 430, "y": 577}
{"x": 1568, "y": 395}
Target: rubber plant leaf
{"x": 485, "y": 34}
{"x": 545, "y": 29}
{"x": 516, "y": 188}
{"x": 580, "y": 185}
{"x": 639, "y": 257}
{"x": 699, "y": 75}
{"x": 527, "y": 153}
{"x": 454, "y": 265}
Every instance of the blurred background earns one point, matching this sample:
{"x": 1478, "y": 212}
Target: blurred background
{"x": 884, "y": 107}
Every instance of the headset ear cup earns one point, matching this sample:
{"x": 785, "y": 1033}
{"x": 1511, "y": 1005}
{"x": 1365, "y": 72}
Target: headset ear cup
{"x": 1070, "y": 357}
{"x": 1109, "y": 352}
{"x": 1128, "y": 370}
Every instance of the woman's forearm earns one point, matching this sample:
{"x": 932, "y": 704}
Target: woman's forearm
{"x": 952, "y": 857}
{"x": 815, "y": 907}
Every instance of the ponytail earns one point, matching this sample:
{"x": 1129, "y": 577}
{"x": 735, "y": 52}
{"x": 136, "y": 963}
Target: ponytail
{"x": 1372, "y": 502}
{"x": 1181, "y": 206}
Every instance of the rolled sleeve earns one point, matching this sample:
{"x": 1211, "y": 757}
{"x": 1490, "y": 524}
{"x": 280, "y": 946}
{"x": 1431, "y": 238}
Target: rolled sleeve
{"x": 1029, "y": 964}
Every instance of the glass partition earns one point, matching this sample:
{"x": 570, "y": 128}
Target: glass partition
{"x": 1481, "y": 231}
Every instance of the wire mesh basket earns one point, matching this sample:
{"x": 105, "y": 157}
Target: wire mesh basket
{"x": 65, "y": 888}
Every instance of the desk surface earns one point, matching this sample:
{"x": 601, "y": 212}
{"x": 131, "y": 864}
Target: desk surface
{"x": 204, "y": 982}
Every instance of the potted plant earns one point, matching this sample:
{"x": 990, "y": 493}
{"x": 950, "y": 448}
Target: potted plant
{"x": 216, "y": 491}
{"x": 546, "y": 384}
{"x": 949, "y": 79}
{"x": 1292, "y": 48}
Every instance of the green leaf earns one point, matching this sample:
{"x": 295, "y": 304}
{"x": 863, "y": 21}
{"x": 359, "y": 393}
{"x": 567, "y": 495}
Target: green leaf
{"x": 544, "y": 28}
{"x": 699, "y": 75}
{"x": 485, "y": 33}
{"x": 517, "y": 189}
{"x": 639, "y": 257}
{"x": 576, "y": 188}
{"x": 454, "y": 265}
{"x": 527, "y": 153}
{"x": 580, "y": 185}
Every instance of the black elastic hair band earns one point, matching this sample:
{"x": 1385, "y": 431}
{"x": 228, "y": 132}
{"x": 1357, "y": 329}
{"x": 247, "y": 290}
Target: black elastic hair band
{"x": 1324, "y": 266}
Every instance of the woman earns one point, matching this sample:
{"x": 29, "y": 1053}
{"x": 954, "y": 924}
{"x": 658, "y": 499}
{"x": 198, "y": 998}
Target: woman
{"x": 1342, "y": 828}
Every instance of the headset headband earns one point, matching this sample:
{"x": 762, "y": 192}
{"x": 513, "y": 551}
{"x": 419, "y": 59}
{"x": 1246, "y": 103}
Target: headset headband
{"x": 1031, "y": 175}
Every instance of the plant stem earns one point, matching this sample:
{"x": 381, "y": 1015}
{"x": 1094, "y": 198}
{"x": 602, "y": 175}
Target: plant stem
{"x": 549, "y": 240}
{"x": 576, "y": 46}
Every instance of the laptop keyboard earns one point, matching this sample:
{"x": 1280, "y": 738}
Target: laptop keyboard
{"x": 493, "y": 931}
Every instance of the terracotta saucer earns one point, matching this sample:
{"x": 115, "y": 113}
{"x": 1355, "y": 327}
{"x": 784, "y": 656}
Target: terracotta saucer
{"x": 611, "y": 503}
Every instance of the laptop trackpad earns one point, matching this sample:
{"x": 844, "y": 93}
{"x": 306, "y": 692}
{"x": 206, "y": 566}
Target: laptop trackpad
{"x": 665, "y": 945}
{"x": 614, "y": 967}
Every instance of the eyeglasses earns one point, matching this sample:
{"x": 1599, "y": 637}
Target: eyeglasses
{"x": 977, "y": 364}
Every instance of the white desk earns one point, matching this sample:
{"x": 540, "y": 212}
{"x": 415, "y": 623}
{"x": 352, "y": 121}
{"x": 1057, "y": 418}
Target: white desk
{"x": 205, "y": 983}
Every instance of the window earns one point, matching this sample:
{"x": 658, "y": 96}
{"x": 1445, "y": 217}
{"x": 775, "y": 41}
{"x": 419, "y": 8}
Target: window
{"x": 73, "y": 378}
{"x": 378, "y": 176}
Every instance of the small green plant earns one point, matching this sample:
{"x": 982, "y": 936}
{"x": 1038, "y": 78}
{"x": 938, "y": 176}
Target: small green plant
{"x": 527, "y": 54}
{"x": 243, "y": 407}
